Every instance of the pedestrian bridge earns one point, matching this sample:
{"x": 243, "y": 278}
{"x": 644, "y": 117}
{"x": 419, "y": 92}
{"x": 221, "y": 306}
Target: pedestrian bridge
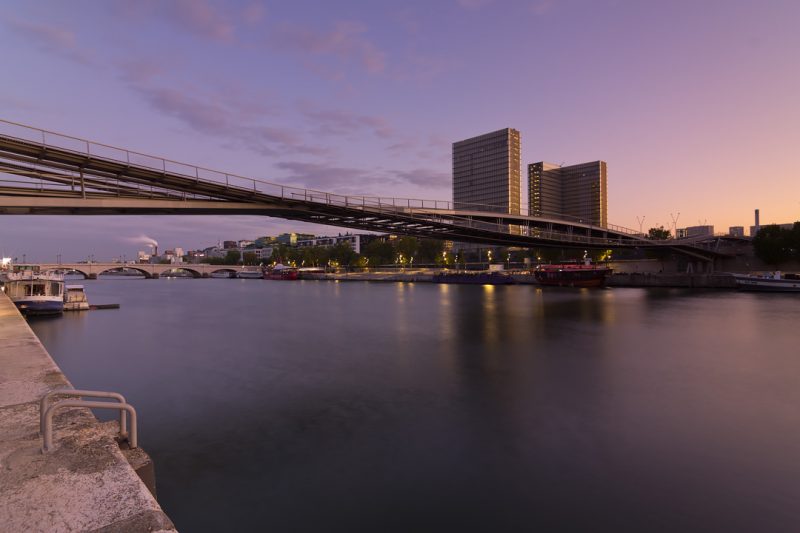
{"x": 43, "y": 172}
{"x": 91, "y": 270}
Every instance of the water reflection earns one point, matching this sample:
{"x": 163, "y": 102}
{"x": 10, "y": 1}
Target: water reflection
{"x": 362, "y": 406}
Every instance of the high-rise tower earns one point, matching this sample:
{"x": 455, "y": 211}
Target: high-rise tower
{"x": 486, "y": 172}
{"x": 577, "y": 192}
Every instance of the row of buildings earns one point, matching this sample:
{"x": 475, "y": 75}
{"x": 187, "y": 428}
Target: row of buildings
{"x": 486, "y": 177}
{"x": 262, "y": 248}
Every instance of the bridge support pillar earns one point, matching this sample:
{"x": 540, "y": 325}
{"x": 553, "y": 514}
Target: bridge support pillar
{"x": 91, "y": 276}
{"x": 155, "y": 275}
{"x": 206, "y": 275}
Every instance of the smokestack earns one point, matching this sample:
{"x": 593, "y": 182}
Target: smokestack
{"x": 155, "y": 250}
{"x": 758, "y": 222}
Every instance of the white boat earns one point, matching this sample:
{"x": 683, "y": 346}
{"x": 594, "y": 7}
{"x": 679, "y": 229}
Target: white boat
{"x": 35, "y": 293}
{"x": 250, "y": 273}
{"x": 771, "y": 282}
{"x": 75, "y": 298}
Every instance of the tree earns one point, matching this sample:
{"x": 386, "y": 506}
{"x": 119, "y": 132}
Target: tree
{"x": 250, "y": 258}
{"x": 281, "y": 253}
{"x": 232, "y": 257}
{"x": 430, "y": 250}
{"x": 379, "y": 252}
{"x": 775, "y": 245}
{"x": 407, "y": 247}
{"x": 659, "y": 233}
{"x": 343, "y": 254}
{"x": 314, "y": 256}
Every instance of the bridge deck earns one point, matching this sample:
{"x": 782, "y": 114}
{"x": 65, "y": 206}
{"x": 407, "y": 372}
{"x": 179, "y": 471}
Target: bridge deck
{"x": 58, "y": 174}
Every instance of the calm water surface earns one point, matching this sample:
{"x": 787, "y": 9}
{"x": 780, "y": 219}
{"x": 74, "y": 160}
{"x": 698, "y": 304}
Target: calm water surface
{"x": 323, "y": 406}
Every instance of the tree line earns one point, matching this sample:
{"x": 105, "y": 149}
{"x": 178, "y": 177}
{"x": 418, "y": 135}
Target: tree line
{"x": 775, "y": 245}
{"x": 402, "y": 251}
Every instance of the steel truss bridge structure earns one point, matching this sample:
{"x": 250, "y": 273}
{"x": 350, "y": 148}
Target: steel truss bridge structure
{"x": 48, "y": 173}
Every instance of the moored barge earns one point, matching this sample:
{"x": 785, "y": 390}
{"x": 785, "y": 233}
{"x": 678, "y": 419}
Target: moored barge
{"x": 773, "y": 282}
{"x": 571, "y": 275}
{"x": 35, "y": 293}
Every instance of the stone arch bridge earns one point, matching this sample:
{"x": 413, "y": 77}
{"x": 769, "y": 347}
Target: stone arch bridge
{"x": 92, "y": 270}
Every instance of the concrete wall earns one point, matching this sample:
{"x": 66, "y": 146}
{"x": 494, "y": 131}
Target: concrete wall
{"x": 693, "y": 281}
{"x": 86, "y": 483}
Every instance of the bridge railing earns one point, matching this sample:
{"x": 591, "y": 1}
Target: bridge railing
{"x": 402, "y": 206}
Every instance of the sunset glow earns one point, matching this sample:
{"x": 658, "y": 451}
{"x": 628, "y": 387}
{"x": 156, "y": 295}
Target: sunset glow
{"x": 692, "y": 105}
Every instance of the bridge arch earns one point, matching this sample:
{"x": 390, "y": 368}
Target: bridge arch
{"x": 144, "y": 273}
{"x": 68, "y": 271}
{"x": 221, "y": 270}
{"x": 193, "y": 272}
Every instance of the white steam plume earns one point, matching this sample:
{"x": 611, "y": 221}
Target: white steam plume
{"x": 143, "y": 239}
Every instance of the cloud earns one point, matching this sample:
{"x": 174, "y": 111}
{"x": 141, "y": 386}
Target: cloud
{"x": 336, "y": 122}
{"x": 403, "y": 146}
{"x": 357, "y": 181}
{"x": 253, "y": 13}
{"x": 542, "y": 7}
{"x": 139, "y": 71}
{"x": 53, "y": 40}
{"x": 331, "y": 178}
{"x": 472, "y": 5}
{"x": 199, "y": 114}
{"x": 200, "y": 18}
{"x": 345, "y": 42}
{"x": 424, "y": 178}
{"x": 228, "y": 119}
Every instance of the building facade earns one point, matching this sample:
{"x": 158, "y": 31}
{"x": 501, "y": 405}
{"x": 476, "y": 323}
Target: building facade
{"x": 736, "y": 231}
{"x": 575, "y": 192}
{"x": 355, "y": 240}
{"x": 695, "y": 231}
{"x": 486, "y": 172}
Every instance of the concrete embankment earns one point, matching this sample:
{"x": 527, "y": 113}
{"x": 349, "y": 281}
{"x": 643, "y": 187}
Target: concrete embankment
{"x": 689, "y": 281}
{"x": 86, "y": 483}
{"x": 372, "y": 276}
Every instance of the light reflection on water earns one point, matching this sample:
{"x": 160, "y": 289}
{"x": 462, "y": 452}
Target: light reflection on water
{"x": 314, "y": 406}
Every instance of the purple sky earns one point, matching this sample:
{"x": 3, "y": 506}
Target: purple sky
{"x": 694, "y": 105}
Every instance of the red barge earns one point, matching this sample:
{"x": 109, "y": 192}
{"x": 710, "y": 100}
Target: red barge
{"x": 571, "y": 275}
{"x": 281, "y": 273}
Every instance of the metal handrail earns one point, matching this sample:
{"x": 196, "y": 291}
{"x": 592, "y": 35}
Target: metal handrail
{"x": 390, "y": 204}
{"x": 47, "y": 445}
{"x": 412, "y": 208}
{"x": 123, "y": 427}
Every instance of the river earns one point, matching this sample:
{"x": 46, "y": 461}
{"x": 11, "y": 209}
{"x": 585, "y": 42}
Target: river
{"x": 333, "y": 406}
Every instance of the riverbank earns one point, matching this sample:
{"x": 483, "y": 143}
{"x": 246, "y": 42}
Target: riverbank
{"x": 690, "y": 281}
{"x": 686, "y": 281}
{"x": 86, "y": 483}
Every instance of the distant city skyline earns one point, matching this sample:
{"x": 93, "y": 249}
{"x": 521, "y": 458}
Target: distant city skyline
{"x": 692, "y": 105}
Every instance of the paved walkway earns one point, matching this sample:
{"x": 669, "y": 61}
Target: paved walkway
{"x": 86, "y": 484}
